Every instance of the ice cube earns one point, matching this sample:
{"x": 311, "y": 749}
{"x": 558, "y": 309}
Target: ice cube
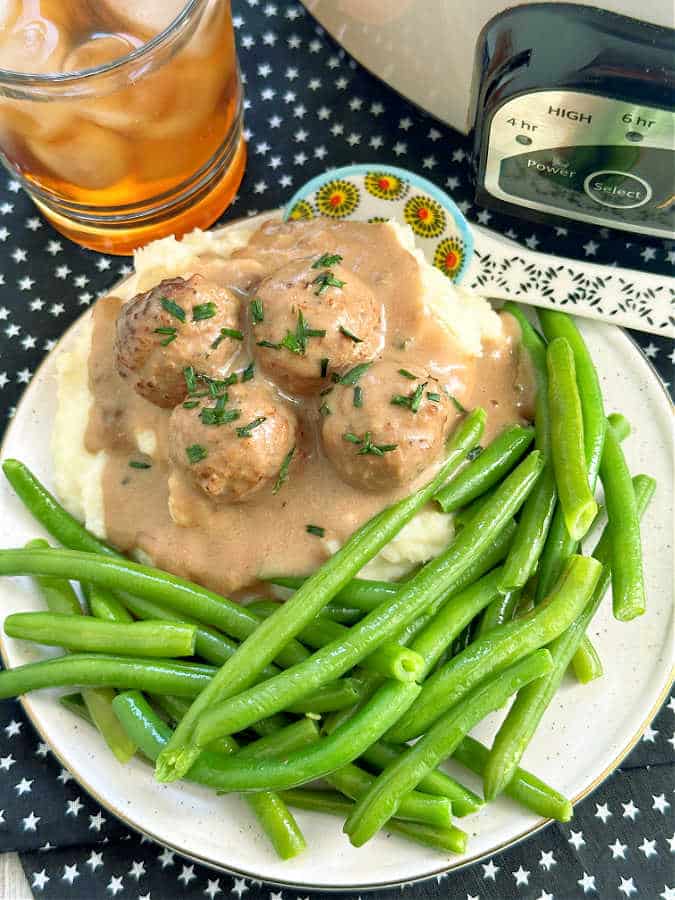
{"x": 88, "y": 156}
{"x": 34, "y": 119}
{"x": 145, "y": 18}
{"x": 32, "y": 44}
{"x": 98, "y": 51}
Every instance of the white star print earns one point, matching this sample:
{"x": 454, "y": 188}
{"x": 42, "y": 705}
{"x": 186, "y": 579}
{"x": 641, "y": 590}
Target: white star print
{"x": 64, "y": 776}
{"x": 62, "y": 272}
{"x": 42, "y": 749}
{"x": 275, "y": 121}
{"x": 279, "y": 896}
{"x": 40, "y": 879}
{"x": 103, "y": 264}
{"x": 213, "y": 888}
{"x": 54, "y": 247}
{"x": 12, "y": 330}
{"x": 70, "y": 873}
{"x": 6, "y": 209}
{"x": 268, "y": 93}
{"x": 115, "y": 885}
{"x": 294, "y": 42}
{"x": 19, "y": 255}
{"x": 337, "y": 129}
{"x": 354, "y": 139}
{"x": 45, "y": 847}
{"x": 96, "y": 822}
{"x": 301, "y": 135}
{"x": 648, "y": 848}
{"x": 320, "y": 152}
{"x": 400, "y": 148}
{"x": 4, "y": 234}
{"x": 260, "y": 187}
{"x": 627, "y": 887}
{"x": 648, "y": 253}
{"x": 544, "y": 896}
{"x": 660, "y": 803}
{"x": 650, "y": 733}
{"x": 547, "y": 860}
{"x": 429, "y": 162}
{"x": 671, "y": 842}
{"x": 458, "y": 155}
{"x": 274, "y": 162}
{"x": 269, "y": 38}
{"x": 137, "y": 870}
{"x": 13, "y": 728}
{"x": 323, "y": 113}
{"x": 25, "y": 283}
{"x": 490, "y": 870}
{"x": 28, "y": 342}
{"x": 590, "y": 249}
{"x": 6, "y": 762}
{"x": 602, "y": 812}
{"x": 31, "y": 821}
{"x": 630, "y": 810}
{"x": 166, "y": 858}
{"x": 291, "y": 73}
{"x": 618, "y": 849}
{"x": 483, "y": 216}
{"x": 670, "y": 256}
{"x": 4, "y": 379}
{"x": 405, "y": 124}
{"x": 376, "y": 142}
{"x": 300, "y": 158}
{"x": 36, "y": 304}
{"x": 187, "y": 875}
{"x": 668, "y": 893}
{"x": 81, "y": 280}
{"x": 576, "y": 839}
{"x": 95, "y": 860}
{"x": 532, "y": 242}
{"x": 73, "y": 807}
{"x": 587, "y": 882}
{"x": 14, "y": 186}
{"x": 240, "y": 887}
{"x": 4, "y": 313}
{"x": 247, "y": 41}
{"x": 144, "y": 896}
{"x": 23, "y": 787}
{"x": 651, "y": 350}
{"x": 521, "y": 875}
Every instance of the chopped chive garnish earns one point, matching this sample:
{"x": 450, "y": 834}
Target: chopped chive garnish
{"x": 245, "y": 430}
{"x": 218, "y": 415}
{"x": 326, "y": 391}
{"x": 325, "y": 410}
{"x": 326, "y": 280}
{"x": 374, "y": 449}
{"x": 248, "y": 372}
{"x": 233, "y": 333}
{"x": 407, "y": 374}
{"x": 350, "y": 335}
{"x": 417, "y": 396}
{"x": 257, "y": 311}
{"x": 170, "y": 333}
{"x": 474, "y": 453}
{"x": 195, "y": 453}
{"x": 139, "y": 464}
{"x": 352, "y": 438}
{"x": 324, "y": 366}
{"x": 400, "y": 400}
{"x": 190, "y": 404}
{"x": 173, "y": 308}
{"x": 167, "y": 340}
{"x": 190, "y": 377}
{"x": 203, "y": 311}
{"x": 458, "y": 406}
{"x": 358, "y": 396}
{"x": 315, "y": 529}
{"x": 435, "y": 398}
{"x": 354, "y": 374}
{"x": 282, "y": 477}
{"x": 327, "y": 260}
{"x": 268, "y": 344}
{"x": 296, "y": 341}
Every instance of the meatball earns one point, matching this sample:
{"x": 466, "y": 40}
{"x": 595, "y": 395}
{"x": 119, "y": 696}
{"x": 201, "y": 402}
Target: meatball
{"x": 312, "y": 315}
{"x": 388, "y": 428}
{"x": 233, "y": 446}
{"x": 174, "y": 325}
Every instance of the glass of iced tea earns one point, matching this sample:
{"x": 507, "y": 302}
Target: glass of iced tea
{"x": 122, "y": 118}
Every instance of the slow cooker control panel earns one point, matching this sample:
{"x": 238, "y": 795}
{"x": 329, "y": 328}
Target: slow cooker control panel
{"x": 584, "y": 156}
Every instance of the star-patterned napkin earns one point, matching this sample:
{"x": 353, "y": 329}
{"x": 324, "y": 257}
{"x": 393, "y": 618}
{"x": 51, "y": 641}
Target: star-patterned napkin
{"x": 308, "y": 107}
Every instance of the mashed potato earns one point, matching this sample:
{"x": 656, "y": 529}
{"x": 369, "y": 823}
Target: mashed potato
{"x": 469, "y": 318}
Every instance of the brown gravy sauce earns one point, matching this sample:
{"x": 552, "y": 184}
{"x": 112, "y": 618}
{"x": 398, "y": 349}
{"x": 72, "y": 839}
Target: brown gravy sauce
{"x": 229, "y": 547}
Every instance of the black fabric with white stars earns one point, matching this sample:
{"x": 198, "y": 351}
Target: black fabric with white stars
{"x": 309, "y": 107}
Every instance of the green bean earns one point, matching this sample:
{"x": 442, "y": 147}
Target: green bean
{"x": 567, "y": 441}
{"x": 381, "y": 802}
{"x": 241, "y": 671}
{"x": 159, "y": 676}
{"x": 340, "y": 694}
{"x": 501, "y": 610}
{"x": 390, "y": 660}
{"x": 501, "y": 647}
{"x": 464, "y": 802}
{"x": 120, "y": 574}
{"x": 75, "y": 704}
{"x": 537, "y": 513}
{"x": 283, "y": 742}
{"x": 427, "y": 587}
{"x": 89, "y": 635}
{"x": 525, "y": 788}
{"x": 339, "y": 612}
{"x": 448, "y": 840}
{"x": 524, "y": 716}
{"x": 457, "y": 612}
{"x": 586, "y": 663}
{"x": 628, "y": 592}
{"x": 49, "y": 512}
{"x": 488, "y": 469}
{"x": 619, "y": 425}
{"x": 278, "y": 823}
{"x": 57, "y": 593}
{"x": 103, "y": 604}
{"x": 559, "y": 544}
{"x": 60, "y": 598}
{"x": 414, "y": 806}
{"x": 363, "y": 593}
{"x": 344, "y": 745}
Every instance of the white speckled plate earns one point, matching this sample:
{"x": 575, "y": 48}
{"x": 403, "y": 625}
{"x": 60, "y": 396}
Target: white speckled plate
{"x": 586, "y": 732}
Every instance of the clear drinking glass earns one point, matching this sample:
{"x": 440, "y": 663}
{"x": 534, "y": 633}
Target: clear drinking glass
{"x": 122, "y": 118}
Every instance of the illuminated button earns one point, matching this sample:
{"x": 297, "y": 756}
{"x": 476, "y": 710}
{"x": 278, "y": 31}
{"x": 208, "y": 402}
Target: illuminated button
{"x": 617, "y": 189}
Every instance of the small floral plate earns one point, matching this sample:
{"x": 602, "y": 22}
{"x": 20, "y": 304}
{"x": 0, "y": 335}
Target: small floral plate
{"x": 375, "y": 193}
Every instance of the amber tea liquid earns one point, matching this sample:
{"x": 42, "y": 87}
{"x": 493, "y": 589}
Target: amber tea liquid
{"x": 132, "y": 129}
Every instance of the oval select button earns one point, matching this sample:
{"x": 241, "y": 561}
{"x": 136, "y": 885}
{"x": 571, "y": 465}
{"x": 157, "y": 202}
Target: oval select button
{"x": 617, "y": 189}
